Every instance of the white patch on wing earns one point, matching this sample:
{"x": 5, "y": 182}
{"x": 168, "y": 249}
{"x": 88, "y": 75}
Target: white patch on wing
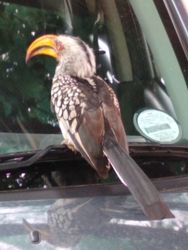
{"x": 64, "y": 131}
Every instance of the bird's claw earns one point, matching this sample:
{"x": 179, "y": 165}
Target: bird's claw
{"x": 69, "y": 145}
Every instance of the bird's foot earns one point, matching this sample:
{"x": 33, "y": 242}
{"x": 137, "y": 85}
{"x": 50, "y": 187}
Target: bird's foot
{"x": 69, "y": 145}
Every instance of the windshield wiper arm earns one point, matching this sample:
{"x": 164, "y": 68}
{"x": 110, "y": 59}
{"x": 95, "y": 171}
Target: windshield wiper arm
{"x": 17, "y": 163}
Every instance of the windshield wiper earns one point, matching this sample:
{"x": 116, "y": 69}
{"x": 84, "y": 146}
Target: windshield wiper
{"x": 158, "y": 150}
{"x": 26, "y": 159}
{"x": 17, "y": 162}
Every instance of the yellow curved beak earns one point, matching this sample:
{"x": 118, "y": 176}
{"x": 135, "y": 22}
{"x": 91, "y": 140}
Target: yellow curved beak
{"x": 44, "y": 45}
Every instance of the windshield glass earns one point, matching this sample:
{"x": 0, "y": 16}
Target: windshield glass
{"x": 135, "y": 54}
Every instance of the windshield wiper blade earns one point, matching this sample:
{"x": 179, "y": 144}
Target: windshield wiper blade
{"x": 16, "y": 162}
{"x": 27, "y": 159}
{"x": 158, "y": 150}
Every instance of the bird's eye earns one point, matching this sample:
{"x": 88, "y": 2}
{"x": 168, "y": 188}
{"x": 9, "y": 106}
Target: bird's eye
{"x": 59, "y": 45}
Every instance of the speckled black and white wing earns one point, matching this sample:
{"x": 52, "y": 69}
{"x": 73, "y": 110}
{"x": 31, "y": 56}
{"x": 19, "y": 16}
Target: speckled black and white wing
{"x": 80, "y": 115}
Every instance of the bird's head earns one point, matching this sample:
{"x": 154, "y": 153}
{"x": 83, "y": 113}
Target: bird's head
{"x": 74, "y": 56}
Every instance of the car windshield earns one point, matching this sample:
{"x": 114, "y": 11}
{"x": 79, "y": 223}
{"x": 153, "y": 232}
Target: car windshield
{"x": 140, "y": 51}
{"x": 48, "y": 192}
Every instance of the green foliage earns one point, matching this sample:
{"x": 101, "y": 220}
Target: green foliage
{"x": 25, "y": 89}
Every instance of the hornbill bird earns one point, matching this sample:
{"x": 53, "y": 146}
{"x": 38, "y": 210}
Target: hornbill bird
{"x": 89, "y": 117}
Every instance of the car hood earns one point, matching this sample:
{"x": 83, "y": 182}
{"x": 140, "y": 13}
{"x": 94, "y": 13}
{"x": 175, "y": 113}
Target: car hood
{"x": 101, "y": 222}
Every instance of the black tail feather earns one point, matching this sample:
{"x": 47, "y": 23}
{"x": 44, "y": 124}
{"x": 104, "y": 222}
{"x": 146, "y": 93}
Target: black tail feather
{"x": 139, "y": 184}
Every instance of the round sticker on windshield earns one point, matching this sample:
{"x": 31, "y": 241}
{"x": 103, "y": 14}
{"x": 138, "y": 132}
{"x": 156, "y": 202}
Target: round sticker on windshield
{"x": 157, "y": 126}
